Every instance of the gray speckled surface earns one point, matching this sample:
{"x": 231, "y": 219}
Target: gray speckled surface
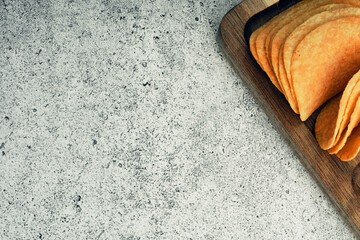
{"x": 122, "y": 120}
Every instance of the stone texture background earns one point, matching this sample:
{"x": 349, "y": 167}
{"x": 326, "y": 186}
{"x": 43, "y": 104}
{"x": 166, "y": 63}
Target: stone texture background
{"x": 122, "y": 120}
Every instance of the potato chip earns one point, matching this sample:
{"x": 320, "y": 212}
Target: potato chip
{"x": 326, "y": 123}
{"x": 324, "y": 61}
{"x": 278, "y": 40}
{"x": 258, "y": 38}
{"x": 300, "y": 32}
{"x": 280, "y": 36}
{"x": 352, "y": 146}
{"x": 354, "y": 122}
{"x": 253, "y": 49}
{"x": 336, "y": 114}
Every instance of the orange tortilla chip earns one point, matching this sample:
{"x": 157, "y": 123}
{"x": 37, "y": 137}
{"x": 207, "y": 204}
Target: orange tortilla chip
{"x": 352, "y": 146}
{"x": 294, "y": 12}
{"x": 326, "y": 123}
{"x": 254, "y": 50}
{"x": 298, "y": 12}
{"x": 280, "y": 36}
{"x": 252, "y": 43}
{"x": 324, "y": 61}
{"x": 336, "y": 114}
{"x": 259, "y": 37}
{"x": 278, "y": 41}
{"x": 286, "y": 84}
{"x": 354, "y": 121}
{"x": 355, "y": 3}
{"x": 301, "y": 31}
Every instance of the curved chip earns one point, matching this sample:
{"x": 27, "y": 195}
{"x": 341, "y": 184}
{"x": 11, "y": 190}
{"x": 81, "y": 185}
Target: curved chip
{"x": 352, "y": 146}
{"x": 301, "y": 31}
{"x": 259, "y": 37}
{"x": 336, "y": 114}
{"x": 279, "y": 39}
{"x": 324, "y": 61}
{"x": 354, "y": 122}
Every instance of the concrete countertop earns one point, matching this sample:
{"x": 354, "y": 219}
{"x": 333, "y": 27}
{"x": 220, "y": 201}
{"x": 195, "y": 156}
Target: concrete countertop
{"x": 122, "y": 120}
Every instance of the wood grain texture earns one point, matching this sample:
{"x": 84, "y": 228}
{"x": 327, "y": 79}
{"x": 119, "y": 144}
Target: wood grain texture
{"x": 339, "y": 180}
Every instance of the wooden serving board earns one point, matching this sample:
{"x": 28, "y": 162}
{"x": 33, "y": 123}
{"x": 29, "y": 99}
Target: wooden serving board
{"x": 340, "y": 180}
